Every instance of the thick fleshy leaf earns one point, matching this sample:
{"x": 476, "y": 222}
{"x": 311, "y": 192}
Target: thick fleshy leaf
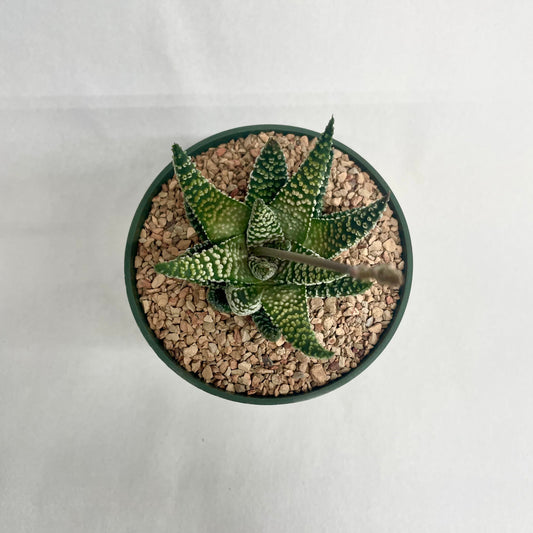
{"x": 319, "y": 206}
{"x": 347, "y": 286}
{"x": 226, "y": 262}
{"x": 286, "y": 305}
{"x": 244, "y": 301}
{"x": 193, "y": 221}
{"x": 269, "y": 174}
{"x": 263, "y": 268}
{"x": 292, "y": 272}
{"x": 332, "y": 234}
{"x": 263, "y": 225}
{"x": 198, "y": 247}
{"x": 216, "y": 296}
{"x": 219, "y": 215}
{"x": 295, "y": 202}
{"x": 265, "y": 326}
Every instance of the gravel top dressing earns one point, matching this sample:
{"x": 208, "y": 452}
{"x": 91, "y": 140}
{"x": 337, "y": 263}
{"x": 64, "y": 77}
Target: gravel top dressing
{"x": 228, "y": 351}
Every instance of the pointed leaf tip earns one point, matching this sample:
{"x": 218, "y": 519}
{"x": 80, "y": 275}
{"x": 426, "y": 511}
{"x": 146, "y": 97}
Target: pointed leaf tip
{"x": 297, "y": 199}
{"x": 268, "y": 175}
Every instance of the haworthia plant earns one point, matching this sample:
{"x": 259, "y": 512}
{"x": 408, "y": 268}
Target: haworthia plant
{"x": 266, "y": 256}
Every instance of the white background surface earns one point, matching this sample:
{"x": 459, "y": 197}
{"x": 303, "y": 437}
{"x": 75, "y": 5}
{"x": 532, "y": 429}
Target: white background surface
{"x": 97, "y": 434}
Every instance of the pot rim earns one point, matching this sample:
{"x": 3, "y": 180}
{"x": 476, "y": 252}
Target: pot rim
{"x": 157, "y": 345}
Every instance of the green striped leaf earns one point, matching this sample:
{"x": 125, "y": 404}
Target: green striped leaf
{"x": 226, "y": 262}
{"x": 347, "y": 286}
{"x": 286, "y": 305}
{"x": 219, "y": 215}
{"x": 263, "y": 268}
{"x": 295, "y": 203}
{"x": 319, "y": 206}
{"x": 194, "y": 222}
{"x": 216, "y": 296}
{"x": 332, "y": 234}
{"x": 263, "y": 225}
{"x": 244, "y": 301}
{"x": 265, "y": 326}
{"x": 269, "y": 174}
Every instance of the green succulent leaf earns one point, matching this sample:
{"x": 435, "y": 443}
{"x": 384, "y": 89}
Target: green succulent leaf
{"x": 332, "y": 234}
{"x": 263, "y": 225}
{"x": 295, "y": 202}
{"x": 219, "y": 215}
{"x": 269, "y": 174}
{"x": 244, "y": 301}
{"x": 295, "y": 273}
{"x": 198, "y": 247}
{"x": 286, "y": 305}
{"x": 341, "y": 287}
{"x": 226, "y": 262}
{"x": 319, "y": 206}
{"x": 193, "y": 221}
{"x": 265, "y": 326}
{"x": 263, "y": 268}
{"x": 216, "y": 296}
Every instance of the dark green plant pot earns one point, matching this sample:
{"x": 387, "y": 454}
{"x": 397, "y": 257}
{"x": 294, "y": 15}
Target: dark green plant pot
{"x": 157, "y": 345}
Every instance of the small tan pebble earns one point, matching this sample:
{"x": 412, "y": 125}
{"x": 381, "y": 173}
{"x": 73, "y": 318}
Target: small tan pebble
{"x": 315, "y": 303}
{"x": 239, "y": 320}
{"x": 319, "y": 374}
{"x": 369, "y": 322}
{"x": 276, "y": 379}
{"x": 230, "y": 387}
{"x": 245, "y": 380}
{"x": 329, "y": 322}
{"x": 158, "y": 281}
{"x": 220, "y": 151}
{"x": 190, "y": 233}
{"x": 389, "y": 300}
{"x": 245, "y": 366}
{"x": 190, "y": 351}
{"x": 389, "y": 245}
{"x": 333, "y": 366}
{"x": 330, "y": 305}
{"x": 300, "y": 356}
{"x": 376, "y": 248}
{"x": 377, "y": 312}
{"x": 284, "y": 389}
{"x": 209, "y": 326}
{"x": 207, "y": 373}
{"x": 376, "y": 328}
{"x": 264, "y": 137}
{"x": 162, "y": 301}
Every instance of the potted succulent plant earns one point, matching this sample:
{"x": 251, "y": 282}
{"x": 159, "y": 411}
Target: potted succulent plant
{"x": 263, "y": 257}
